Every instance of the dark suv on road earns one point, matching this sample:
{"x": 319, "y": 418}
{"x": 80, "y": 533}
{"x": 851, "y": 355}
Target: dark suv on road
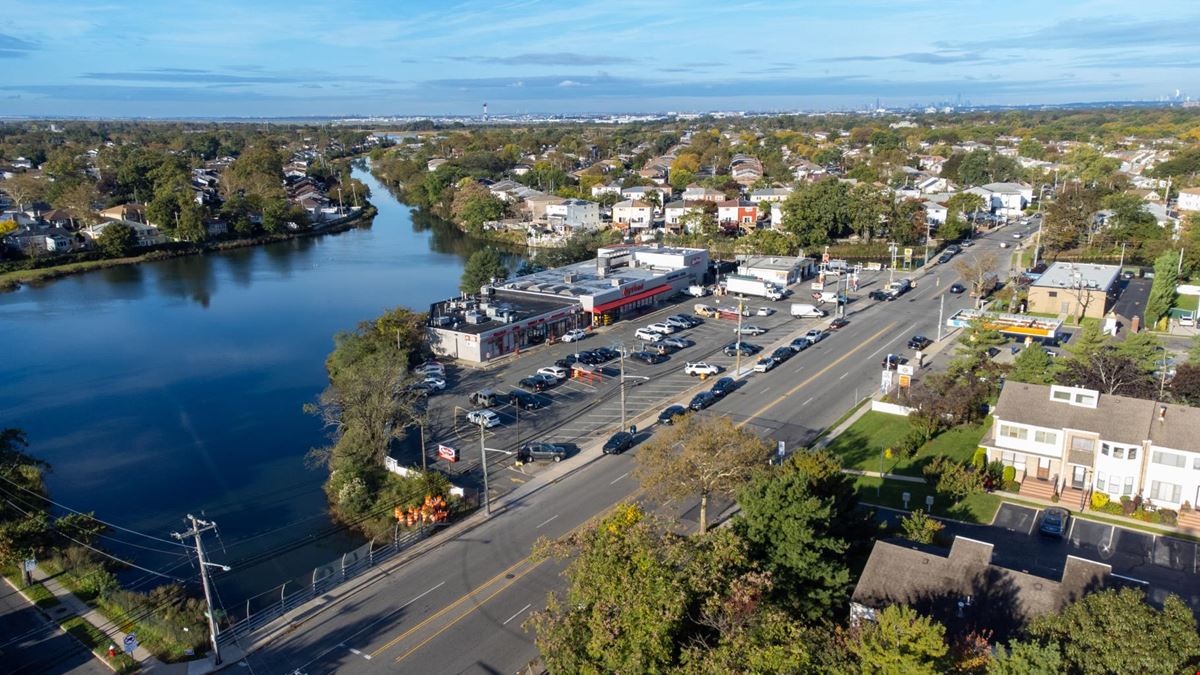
{"x": 723, "y": 387}
{"x": 668, "y": 415}
{"x": 618, "y": 443}
{"x": 702, "y": 400}
{"x": 541, "y": 452}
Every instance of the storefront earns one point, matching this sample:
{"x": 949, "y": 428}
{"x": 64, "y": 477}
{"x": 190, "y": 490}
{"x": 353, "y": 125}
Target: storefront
{"x": 635, "y": 303}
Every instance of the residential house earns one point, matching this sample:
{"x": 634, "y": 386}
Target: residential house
{"x": 932, "y": 184}
{"x": 964, "y": 589}
{"x": 696, "y": 193}
{"x": 931, "y": 163}
{"x": 131, "y": 212}
{"x": 573, "y": 215}
{"x": 536, "y": 204}
{"x": 1005, "y": 199}
{"x": 521, "y": 169}
{"x": 737, "y": 213}
{"x": 145, "y": 234}
{"x": 934, "y": 212}
{"x": 780, "y": 270}
{"x": 633, "y": 215}
{"x": 1189, "y": 199}
{"x": 508, "y": 190}
{"x": 58, "y": 218}
{"x": 1072, "y": 441}
{"x": 606, "y": 189}
{"x": 778, "y": 194}
{"x": 745, "y": 170}
{"x": 1075, "y": 288}
{"x": 641, "y": 193}
{"x": 805, "y": 170}
{"x": 674, "y": 212}
{"x": 433, "y": 164}
{"x": 40, "y": 238}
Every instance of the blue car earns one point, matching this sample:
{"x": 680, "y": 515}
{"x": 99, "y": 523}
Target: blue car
{"x": 1054, "y": 522}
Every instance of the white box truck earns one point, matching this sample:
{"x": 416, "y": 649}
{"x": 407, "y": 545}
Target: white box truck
{"x": 740, "y": 285}
{"x": 803, "y": 310}
{"x": 697, "y": 291}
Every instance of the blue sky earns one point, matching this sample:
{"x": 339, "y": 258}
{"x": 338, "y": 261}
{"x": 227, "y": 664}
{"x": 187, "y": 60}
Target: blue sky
{"x": 408, "y": 57}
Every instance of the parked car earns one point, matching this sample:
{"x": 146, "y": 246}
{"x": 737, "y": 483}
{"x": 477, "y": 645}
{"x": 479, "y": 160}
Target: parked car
{"x": 618, "y": 443}
{"x": 648, "y": 335}
{"x": 800, "y": 344}
{"x": 566, "y": 362}
{"x": 537, "y": 382}
{"x": 702, "y": 400}
{"x": 878, "y": 295}
{"x": 945, "y": 258}
{"x": 430, "y": 369}
{"x": 485, "y": 418}
{"x": 750, "y": 330}
{"x": 1054, "y": 522}
{"x": 919, "y": 342}
{"x": 649, "y": 358}
{"x": 764, "y": 364}
{"x": 691, "y": 321}
{"x": 838, "y": 323}
{"x": 588, "y": 358}
{"x": 700, "y": 368}
{"x": 745, "y": 348}
{"x": 892, "y": 361}
{"x": 538, "y": 451}
{"x": 661, "y": 327}
{"x": 957, "y": 289}
{"x": 574, "y": 335}
{"x": 815, "y": 335}
{"x": 524, "y": 400}
{"x": 485, "y": 398}
{"x": 677, "y": 322}
{"x": 676, "y": 342}
{"x": 434, "y": 383}
{"x": 1016, "y": 235}
{"x": 764, "y": 311}
{"x": 782, "y": 354}
{"x": 606, "y": 354}
{"x": 557, "y": 372}
{"x": 723, "y": 387}
{"x": 1004, "y": 244}
{"x": 668, "y": 415}
{"x": 967, "y": 243}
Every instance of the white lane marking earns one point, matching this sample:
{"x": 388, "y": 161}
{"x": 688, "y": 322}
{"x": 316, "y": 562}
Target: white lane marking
{"x": 806, "y": 403}
{"x": 546, "y": 521}
{"x": 622, "y": 476}
{"x": 765, "y": 390}
{"x": 358, "y": 653}
{"x": 889, "y": 342}
{"x": 844, "y": 375}
{"x": 519, "y": 612}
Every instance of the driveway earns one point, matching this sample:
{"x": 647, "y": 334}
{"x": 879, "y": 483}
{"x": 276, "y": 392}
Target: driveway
{"x": 1132, "y": 301}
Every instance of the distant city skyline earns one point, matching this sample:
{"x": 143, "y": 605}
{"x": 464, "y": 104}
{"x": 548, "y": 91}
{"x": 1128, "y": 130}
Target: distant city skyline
{"x": 223, "y": 58}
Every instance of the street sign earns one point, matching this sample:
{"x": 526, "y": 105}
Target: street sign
{"x": 885, "y": 383}
{"x": 447, "y": 453}
{"x": 30, "y": 565}
{"x": 781, "y": 448}
{"x": 905, "y": 369}
{"x": 908, "y": 253}
{"x": 905, "y": 381}
{"x": 130, "y": 643}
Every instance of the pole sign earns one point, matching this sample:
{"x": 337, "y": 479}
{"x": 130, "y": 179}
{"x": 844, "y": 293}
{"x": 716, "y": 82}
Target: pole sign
{"x": 30, "y": 565}
{"x": 905, "y": 381}
{"x": 908, "y": 253}
{"x": 905, "y": 369}
{"x": 130, "y": 643}
{"x": 885, "y": 383}
{"x": 781, "y": 448}
{"x": 447, "y": 453}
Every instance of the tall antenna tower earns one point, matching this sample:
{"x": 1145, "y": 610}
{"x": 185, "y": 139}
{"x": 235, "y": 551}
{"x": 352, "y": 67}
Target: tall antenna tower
{"x": 485, "y": 112}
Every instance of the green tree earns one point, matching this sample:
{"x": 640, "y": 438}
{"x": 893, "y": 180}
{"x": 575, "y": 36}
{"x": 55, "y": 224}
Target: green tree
{"x": 1031, "y": 148}
{"x": 1130, "y": 221}
{"x": 963, "y": 203}
{"x": 900, "y": 642}
{"x": 1194, "y": 351}
{"x": 919, "y": 527}
{"x": 816, "y": 212}
{"x": 25, "y": 189}
{"x": 1162, "y": 291}
{"x": 484, "y": 266}
{"x": 982, "y": 166}
{"x": 474, "y": 205}
{"x": 1033, "y": 366}
{"x": 1026, "y": 658}
{"x": 801, "y": 521}
{"x": 117, "y": 240}
{"x": 701, "y": 456}
{"x": 1116, "y": 631}
{"x": 1068, "y": 218}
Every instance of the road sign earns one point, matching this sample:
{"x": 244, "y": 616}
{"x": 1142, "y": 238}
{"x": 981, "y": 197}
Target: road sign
{"x": 30, "y": 565}
{"x": 905, "y": 381}
{"x": 130, "y": 643}
{"x": 447, "y": 453}
{"x": 885, "y": 383}
{"x": 781, "y": 448}
{"x": 908, "y": 253}
{"x": 905, "y": 369}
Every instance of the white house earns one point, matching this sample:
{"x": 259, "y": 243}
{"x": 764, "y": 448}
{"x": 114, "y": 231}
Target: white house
{"x": 640, "y": 192}
{"x": 609, "y": 189}
{"x": 1189, "y": 199}
{"x": 1005, "y": 199}
{"x": 934, "y": 212}
{"x": 632, "y": 214}
{"x": 770, "y": 195}
{"x": 695, "y": 193}
{"x": 674, "y": 212}
{"x": 147, "y": 235}
{"x": 573, "y": 214}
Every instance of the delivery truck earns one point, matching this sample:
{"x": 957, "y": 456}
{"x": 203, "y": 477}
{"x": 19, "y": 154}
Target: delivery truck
{"x": 735, "y": 283}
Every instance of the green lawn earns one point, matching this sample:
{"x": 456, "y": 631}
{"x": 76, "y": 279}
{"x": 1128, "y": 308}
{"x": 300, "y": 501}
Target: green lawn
{"x": 862, "y": 445}
{"x": 1189, "y": 302}
{"x": 977, "y": 508}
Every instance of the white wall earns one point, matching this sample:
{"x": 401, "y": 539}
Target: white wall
{"x": 1187, "y": 477}
{"x": 1028, "y": 444}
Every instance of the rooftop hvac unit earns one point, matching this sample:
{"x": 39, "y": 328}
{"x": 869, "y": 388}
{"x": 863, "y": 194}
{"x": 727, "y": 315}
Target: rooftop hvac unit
{"x": 474, "y": 318}
{"x": 440, "y": 321}
{"x": 486, "y": 291}
{"x": 568, "y": 278}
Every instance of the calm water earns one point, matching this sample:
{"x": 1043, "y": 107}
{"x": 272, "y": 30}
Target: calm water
{"x": 174, "y": 387}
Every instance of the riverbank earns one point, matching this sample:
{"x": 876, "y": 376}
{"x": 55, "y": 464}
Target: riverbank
{"x": 12, "y": 280}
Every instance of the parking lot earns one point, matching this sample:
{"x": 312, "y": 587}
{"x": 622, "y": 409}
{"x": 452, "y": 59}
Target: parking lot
{"x": 1159, "y": 564}
{"x": 576, "y": 411}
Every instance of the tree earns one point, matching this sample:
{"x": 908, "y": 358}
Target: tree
{"x": 1194, "y": 351}
{"x": 964, "y": 203}
{"x": 705, "y": 456}
{"x": 919, "y": 527}
{"x": 1162, "y": 291}
{"x": 1116, "y": 631}
{"x": 1031, "y": 148}
{"x": 1033, "y": 366}
{"x": 979, "y": 273}
{"x": 80, "y": 201}
{"x": 1026, "y": 658}
{"x": 900, "y": 642}
{"x": 117, "y": 240}
{"x": 982, "y": 166}
{"x": 1068, "y": 218}
{"x": 816, "y": 212}
{"x": 1086, "y": 342}
{"x": 801, "y": 522}
{"x": 24, "y": 188}
{"x": 1110, "y": 372}
{"x": 482, "y": 268}
{"x": 474, "y": 205}
{"x": 1185, "y": 385}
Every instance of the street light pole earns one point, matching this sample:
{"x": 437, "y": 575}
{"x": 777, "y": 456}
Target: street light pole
{"x": 737, "y": 368}
{"x": 941, "y": 311}
{"x": 487, "y": 495}
{"x": 622, "y": 385}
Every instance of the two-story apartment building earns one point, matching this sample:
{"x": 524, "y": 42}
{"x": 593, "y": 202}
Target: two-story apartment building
{"x": 573, "y": 214}
{"x": 1189, "y": 199}
{"x": 1074, "y": 440}
{"x": 633, "y": 215}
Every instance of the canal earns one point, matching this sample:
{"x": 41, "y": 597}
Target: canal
{"x": 176, "y": 387}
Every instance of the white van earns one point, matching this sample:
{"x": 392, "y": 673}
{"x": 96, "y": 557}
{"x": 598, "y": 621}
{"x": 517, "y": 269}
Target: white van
{"x": 806, "y": 311}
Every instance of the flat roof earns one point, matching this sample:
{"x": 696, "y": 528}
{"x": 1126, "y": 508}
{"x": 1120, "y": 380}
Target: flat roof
{"x": 783, "y": 263}
{"x": 582, "y": 279}
{"x": 521, "y": 306}
{"x": 1072, "y": 275}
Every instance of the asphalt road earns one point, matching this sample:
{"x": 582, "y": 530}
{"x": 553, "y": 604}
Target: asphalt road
{"x": 460, "y": 608}
{"x": 32, "y": 644}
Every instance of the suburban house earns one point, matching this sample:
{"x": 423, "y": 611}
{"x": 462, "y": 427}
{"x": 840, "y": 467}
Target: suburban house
{"x": 608, "y": 189}
{"x": 934, "y": 212}
{"x": 1189, "y": 199}
{"x": 770, "y": 195}
{"x": 536, "y": 204}
{"x": 674, "y": 212}
{"x": 434, "y": 163}
{"x": 695, "y": 193}
{"x": 39, "y": 238}
{"x": 1075, "y": 289}
{"x": 736, "y": 212}
{"x": 1070, "y": 442}
{"x": 805, "y": 170}
{"x": 964, "y": 589}
{"x": 1005, "y": 199}
{"x": 932, "y": 184}
{"x": 132, "y": 212}
{"x": 745, "y": 170}
{"x": 633, "y": 215}
{"x": 640, "y": 193}
{"x": 931, "y": 163}
{"x": 573, "y": 214}
{"x": 146, "y": 234}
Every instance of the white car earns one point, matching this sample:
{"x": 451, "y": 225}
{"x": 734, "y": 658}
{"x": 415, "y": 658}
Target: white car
{"x": 661, "y": 327}
{"x": 700, "y": 368}
{"x": 484, "y": 418}
{"x": 764, "y": 364}
{"x": 1016, "y": 235}
{"x": 1004, "y": 244}
{"x": 765, "y": 311}
{"x": 430, "y": 369}
{"x": 434, "y": 383}
{"x": 648, "y": 335}
{"x": 553, "y": 371}
{"x": 574, "y": 335}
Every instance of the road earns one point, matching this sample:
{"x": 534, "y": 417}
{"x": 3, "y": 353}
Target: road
{"x": 31, "y": 643}
{"x": 460, "y": 607}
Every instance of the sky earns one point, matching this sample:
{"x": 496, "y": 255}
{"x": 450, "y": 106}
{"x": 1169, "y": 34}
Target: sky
{"x": 267, "y": 58}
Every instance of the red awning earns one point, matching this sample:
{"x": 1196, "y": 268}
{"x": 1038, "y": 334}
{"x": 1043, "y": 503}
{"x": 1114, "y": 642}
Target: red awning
{"x": 600, "y": 309}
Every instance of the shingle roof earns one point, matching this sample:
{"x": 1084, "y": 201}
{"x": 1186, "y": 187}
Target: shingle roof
{"x": 1120, "y": 419}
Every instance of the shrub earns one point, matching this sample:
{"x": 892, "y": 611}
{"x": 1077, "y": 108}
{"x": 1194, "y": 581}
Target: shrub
{"x": 919, "y": 527}
{"x": 1129, "y": 506}
{"x": 1099, "y": 500}
{"x": 979, "y": 459}
{"x": 1010, "y": 474}
{"x": 1185, "y": 507}
{"x": 1054, "y": 498}
{"x": 1168, "y": 517}
{"x": 910, "y": 443}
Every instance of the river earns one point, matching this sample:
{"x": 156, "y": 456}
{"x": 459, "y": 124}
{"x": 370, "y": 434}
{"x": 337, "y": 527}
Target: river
{"x": 176, "y": 387}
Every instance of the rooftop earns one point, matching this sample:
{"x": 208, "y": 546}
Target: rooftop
{"x": 585, "y": 278}
{"x": 1072, "y": 275}
{"x": 782, "y": 263}
{"x": 488, "y": 313}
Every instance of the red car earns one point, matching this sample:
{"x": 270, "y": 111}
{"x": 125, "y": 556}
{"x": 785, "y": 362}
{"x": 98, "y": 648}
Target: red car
{"x": 838, "y": 323}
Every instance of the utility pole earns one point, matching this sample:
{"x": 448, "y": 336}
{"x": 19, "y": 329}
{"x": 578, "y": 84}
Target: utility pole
{"x": 487, "y": 496}
{"x": 892, "y": 270}
{"x": 737, "y": 368}
{"x": 621, "y": 384}
{"x": 1122, "y": 263}
{"x": 941, "y": 311}
{"x": 198, "y": 528}
{"x": 928, "y": 234}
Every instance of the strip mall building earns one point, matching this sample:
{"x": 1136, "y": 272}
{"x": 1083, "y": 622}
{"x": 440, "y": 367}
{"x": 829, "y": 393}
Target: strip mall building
{"x": 622, "y": 281}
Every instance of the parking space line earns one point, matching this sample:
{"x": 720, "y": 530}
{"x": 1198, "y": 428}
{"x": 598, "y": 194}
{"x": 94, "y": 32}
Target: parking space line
{"x": 1033, "y": 521}
{"x": 844, "y": 375}
{"x": 546, "y": 521}
{"x": 765, "y": 390}
{"x": 806, "y": 402}
{"x": 1071, "y": 528}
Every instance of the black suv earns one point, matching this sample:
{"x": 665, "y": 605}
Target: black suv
{"x": 524, "y": 400}
{"x": 618, "y": 443}
{"x": 566, "y": 362}
{"x": 919, "y": 342}
{"x": 538, "y": 382}
{"x": 589, "y": 358}
{"x": 723, "y": 386}
{"x": 879, "y": 295}
{"x": 746, "y": 348}
{"x": 605, "y": 354}
{"x": 702, "y": 400}
{"x": 648, "y": 357}
{"x": 782, "y": 354}
{"x": 541, "y": 452}
{"x": 668, "y": 416}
